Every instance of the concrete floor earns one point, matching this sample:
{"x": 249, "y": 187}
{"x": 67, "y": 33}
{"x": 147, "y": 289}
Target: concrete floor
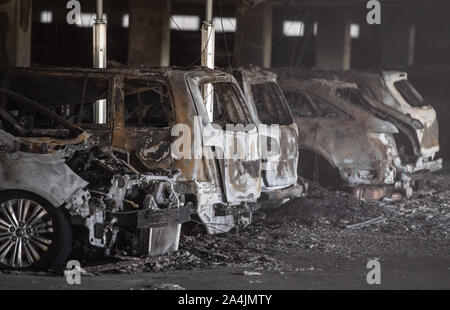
{"x": 329, "y": 273}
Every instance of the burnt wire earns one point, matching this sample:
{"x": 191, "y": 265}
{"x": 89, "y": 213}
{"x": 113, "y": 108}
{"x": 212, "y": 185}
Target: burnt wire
{"x": 297, "y": 41}
{"x": 224, "y": 35}
{"x": 308, "y": 35}
{"x": 299, "y": 49}
{"x": 275, "y": 42}
{"x": 304, "y": 47}
{"x": 179, "y": 28}
{"x": 189, "y": 39}
{"x": 242, "y": 37}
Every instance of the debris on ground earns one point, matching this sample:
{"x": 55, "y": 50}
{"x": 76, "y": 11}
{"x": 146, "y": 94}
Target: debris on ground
{"x": 367, "y": 223}
{"x": 161, "y": 287}
{"x": 324, "y": 221}
{"x": 252, "y": 273}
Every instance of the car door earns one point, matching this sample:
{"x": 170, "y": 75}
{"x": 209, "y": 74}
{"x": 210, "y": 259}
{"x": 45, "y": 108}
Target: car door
{"x": 279, "y": 134}
{"x": 232, "y": 137}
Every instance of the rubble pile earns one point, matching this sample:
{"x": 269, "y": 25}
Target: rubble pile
{"x": 324, "y": 221}
{"x": 427, "y": 215}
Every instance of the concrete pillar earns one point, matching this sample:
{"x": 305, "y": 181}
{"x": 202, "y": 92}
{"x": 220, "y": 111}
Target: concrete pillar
{"x": 399, "y": 39}
{"x": 333, "y": 45}
{"x": 253, "y": 42}
{"x": 15, "y": 33}
{"x": 149, "y": 33}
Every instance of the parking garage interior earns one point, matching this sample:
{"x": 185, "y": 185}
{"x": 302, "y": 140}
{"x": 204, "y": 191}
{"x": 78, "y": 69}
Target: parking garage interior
{"x": 310, "y": 242}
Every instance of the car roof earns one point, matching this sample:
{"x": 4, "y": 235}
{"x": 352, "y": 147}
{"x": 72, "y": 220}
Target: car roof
{"x": 116, "y": 71}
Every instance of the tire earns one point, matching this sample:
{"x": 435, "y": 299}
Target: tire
{"x": 42, "y": 232}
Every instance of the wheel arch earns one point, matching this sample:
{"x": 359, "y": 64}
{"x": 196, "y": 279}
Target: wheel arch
{"x": 47, "y": 176}
{"x": 54, "y": 201}
{"x": 329, "y": 167}
{"x": 321, "y": 153}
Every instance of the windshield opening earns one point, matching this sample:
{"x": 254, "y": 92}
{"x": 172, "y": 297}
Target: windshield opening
{"x": 353, "y": 96}
{"x": 309, "y": 105}
{"x": 270, "y": 106}
{"x": 227, "y": 106}
{"x": 409, "y": 93}
{"x": 71, "y": 98}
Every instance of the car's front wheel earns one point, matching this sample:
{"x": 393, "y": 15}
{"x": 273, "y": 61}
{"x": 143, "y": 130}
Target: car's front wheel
{"x": 33, "y": 233}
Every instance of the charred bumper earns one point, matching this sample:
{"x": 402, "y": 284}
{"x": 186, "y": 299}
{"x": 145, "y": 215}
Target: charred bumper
{"x": 292, "y": 192}
{"x": 422, "y": 166}
{"x": 406, "y": 176}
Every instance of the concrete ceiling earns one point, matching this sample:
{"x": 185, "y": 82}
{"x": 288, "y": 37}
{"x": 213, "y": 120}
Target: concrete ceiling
{"x": 319, "y": 2}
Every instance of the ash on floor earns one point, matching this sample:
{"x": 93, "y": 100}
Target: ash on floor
{"x": 323, "y": 222}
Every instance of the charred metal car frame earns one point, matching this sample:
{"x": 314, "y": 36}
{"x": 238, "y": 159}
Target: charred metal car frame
{"x": 391, "y": 97}
{"x": 270, "y": 107}
{"x": 120, "y": 174}
{"x": 397, "y": 101}
{"x": 343, "y": 141}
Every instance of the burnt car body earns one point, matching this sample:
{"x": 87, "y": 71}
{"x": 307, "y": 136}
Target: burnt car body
{"x": 281, "y": 153}
{"x": 343, "y": 142}
{"x": 399, "y": 102}
{"x": 123, "y": 173}
{"x": 391, "y": 97}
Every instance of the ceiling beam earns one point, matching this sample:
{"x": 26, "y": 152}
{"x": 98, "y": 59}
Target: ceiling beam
{"x": 317, "y": 2}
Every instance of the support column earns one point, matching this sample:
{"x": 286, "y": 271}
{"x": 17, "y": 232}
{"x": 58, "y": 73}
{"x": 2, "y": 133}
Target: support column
{"x": 333, "y": 47}
{"x": 15, "y": 33}
{"x": 399, "y": 40}
{"x": 149, "y": 33}
{"x": 254, "y": 35}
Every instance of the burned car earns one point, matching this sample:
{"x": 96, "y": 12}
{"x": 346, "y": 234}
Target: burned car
{"x": 396, "y": 100}
{"x": 119, "y": 184}
{"x": 391, "y": 97}
{"x": 278, "y": 131}
{"x": 343, "y": 145}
